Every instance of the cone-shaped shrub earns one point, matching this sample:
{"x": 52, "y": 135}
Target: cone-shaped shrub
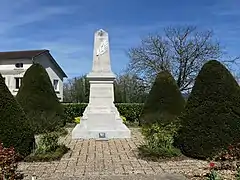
{"x": 39, "y": 101}
{"x": 211, "y": 120}
{"x": 164, "y": 102}
{"x": 14, "y": 127}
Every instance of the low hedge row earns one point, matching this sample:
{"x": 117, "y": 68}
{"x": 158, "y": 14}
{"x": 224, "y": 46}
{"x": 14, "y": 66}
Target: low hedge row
{"x": 131, "y": 111}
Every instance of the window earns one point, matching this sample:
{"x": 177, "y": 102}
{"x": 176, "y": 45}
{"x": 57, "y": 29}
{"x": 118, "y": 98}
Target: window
{"x": 19, "y": 65}
{"x": 18, "y": 82}
{"x": 55, "y": 85}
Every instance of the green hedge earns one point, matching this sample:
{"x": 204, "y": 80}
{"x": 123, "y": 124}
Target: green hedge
{"x": 131, "y": 111}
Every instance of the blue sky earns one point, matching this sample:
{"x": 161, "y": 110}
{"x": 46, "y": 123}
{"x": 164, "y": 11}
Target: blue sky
{"x": 66, "y": 27}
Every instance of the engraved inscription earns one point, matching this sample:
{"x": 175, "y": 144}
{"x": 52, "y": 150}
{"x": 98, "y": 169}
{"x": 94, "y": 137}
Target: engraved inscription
{"x": 102, "y": 92}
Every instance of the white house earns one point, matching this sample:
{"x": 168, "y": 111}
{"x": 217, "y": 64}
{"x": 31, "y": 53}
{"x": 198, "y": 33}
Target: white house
{"x": 13, "y": 65}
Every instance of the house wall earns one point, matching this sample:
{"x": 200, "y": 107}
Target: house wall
{"x": 53, "y": 73}
{"x": 10, "y": 72}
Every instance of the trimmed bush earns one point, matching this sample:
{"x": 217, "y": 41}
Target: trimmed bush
{"x": 211, "y": 120}
{"x": 131, "y": 111}
{"x": 14, "y": 127}
{"x": 39, "y": 100}
{"x": 73, "y": 110}
{"x": 164, "y": 101}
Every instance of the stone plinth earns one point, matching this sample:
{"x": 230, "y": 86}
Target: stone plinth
{"x": 101, "y": 119}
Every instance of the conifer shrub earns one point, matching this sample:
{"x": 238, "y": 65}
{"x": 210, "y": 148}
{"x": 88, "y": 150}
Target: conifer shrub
{"x": 14, "y": 128}
{"x": 39, "y": 100}
{"x": 164, "y": 102}
{"x": 211, "y": 120}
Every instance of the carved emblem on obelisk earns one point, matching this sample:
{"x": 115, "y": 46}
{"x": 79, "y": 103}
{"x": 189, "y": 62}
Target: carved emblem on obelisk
{"x": 102, "y": 48}
{"x": 101, "y": 53}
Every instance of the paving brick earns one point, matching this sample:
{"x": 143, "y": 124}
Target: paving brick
{"x": 80, "y": 170}
{"x": 149, "y": 171}
{"x": 119, "y": 170}
{"x": 135, "y": 164}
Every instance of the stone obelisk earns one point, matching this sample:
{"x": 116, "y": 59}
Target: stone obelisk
{"x": 101, "y": 119}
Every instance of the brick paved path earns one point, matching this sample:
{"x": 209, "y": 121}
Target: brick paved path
{"x": 115, "y": 159}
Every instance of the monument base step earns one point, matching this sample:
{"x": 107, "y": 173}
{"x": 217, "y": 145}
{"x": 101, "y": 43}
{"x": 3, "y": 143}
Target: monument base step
{"x": 101, "y": 132}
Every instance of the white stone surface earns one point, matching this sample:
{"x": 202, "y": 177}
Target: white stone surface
{"x": 101, "y": 116}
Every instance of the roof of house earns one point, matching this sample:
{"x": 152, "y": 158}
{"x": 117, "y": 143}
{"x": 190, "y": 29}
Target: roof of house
{"x": 20, "y": 54}
{"x": 29, "y": 54}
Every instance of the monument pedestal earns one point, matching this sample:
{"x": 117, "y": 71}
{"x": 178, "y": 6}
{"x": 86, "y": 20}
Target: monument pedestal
{"x": 101, "y": 119}
{"x": 107, "y": 127}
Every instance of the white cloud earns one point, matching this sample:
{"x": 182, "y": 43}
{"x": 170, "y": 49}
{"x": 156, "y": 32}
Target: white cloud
{"x": 16, "y": 14}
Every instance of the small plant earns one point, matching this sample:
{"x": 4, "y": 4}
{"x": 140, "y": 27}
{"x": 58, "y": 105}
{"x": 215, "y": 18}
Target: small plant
{"x": 48, "y": 149}
{"x": 124, "y": 119}
{"x": 8, "y": 164}
{"x": 213, "y": 175}
{"x": 77, "y": 120}
{"x": 61, "y": 131}
{"x": 48, "y": 143}
{"x": 159, "y": 141}
{"x": 50, "y": 156}
{"x": 170, "y": 129}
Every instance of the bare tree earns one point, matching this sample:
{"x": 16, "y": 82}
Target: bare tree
{"x": 76, "y": 90}
{"x": 129, "y": 89}
{"x": 182, "y": 51}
